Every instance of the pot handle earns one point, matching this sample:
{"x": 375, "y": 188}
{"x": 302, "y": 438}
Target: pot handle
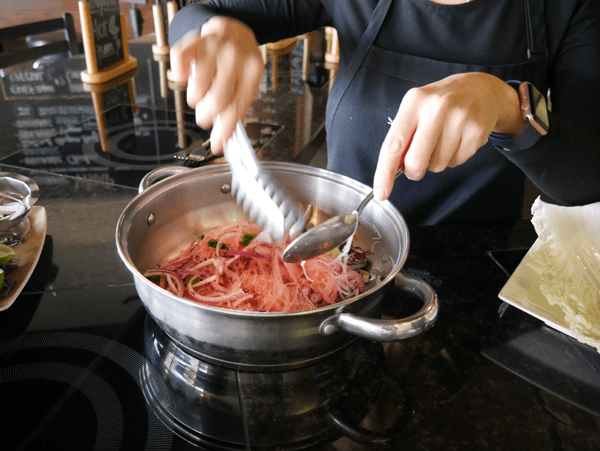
{"x": 390, "y": 330}
{"x": 158, "y": 174}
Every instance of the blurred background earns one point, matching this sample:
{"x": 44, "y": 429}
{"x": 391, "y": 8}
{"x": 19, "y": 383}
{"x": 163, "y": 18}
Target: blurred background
{"x": 15, "y": 12}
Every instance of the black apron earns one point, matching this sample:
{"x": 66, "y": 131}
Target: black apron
{"x": 368, "y": 91}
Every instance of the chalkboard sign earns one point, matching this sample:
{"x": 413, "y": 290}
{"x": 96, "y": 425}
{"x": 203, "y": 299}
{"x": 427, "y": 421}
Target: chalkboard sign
{"x": 108, "y": 35}
{"x": 55, "y": 81}
{"x": 104, "y": 41}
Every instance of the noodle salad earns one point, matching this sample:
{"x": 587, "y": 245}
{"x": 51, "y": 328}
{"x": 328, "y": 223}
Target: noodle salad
{"x": 230, "y": 267}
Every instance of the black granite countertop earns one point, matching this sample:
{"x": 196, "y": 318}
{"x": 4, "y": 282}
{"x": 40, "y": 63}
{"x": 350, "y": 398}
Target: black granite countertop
{"x": 461, "y": 373}
{"x": 484, "y": 377}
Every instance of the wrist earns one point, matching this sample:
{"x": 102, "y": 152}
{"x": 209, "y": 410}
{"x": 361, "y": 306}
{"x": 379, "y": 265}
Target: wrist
{"x": 534, "y": 113}
{"x": 510, "y": 121}
{"x": 188, "y": 20}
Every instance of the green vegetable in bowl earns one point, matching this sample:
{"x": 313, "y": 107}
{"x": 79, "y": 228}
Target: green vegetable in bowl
{"x": 7, "y": 253}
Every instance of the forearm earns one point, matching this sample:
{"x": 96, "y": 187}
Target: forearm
{"x": 271, "y": 20}
{"x": 564, "y": 164}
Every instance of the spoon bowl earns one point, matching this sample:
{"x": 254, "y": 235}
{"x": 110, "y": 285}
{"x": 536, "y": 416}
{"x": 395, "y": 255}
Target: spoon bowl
{"x": 321, "y": 238}
{"x": 327, "y": 235}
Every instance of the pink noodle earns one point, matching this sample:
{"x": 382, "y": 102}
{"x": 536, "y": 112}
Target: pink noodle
{"x": 254, "y": 277}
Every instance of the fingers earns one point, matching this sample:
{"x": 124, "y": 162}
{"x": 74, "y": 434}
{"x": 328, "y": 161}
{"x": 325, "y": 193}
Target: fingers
{"x": 445, "y": 137}
{"x": 471, "y": 140}
{"x": 233, "y": 90}
{"x": 223, "y": 68}
{"x": 423, "y": 146}
{"x": 192, "y": 67}
{"x": 182, "y": 54}
{"x": 202, "y": 74}
{"x": 438, "y": 126}
{"x": 391, "y": 156}
{"x": 408, "y": 144}
{"x": 214, "y": 88}
{"x": 231, "y": 112}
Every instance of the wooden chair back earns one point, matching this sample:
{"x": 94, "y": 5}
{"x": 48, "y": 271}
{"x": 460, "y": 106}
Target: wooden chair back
{"x": 23, "y": 53}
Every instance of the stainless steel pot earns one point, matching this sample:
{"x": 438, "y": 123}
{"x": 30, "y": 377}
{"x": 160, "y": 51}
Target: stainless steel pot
{"x": 166, "y": 216}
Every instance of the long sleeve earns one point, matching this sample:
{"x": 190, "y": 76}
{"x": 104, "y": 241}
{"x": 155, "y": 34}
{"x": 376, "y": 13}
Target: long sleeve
{"x": 271, "y": 20}
{"x": 565, "y": 164}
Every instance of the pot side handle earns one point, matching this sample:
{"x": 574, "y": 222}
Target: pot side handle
{"x": 158, "y": 174}
{"x": 390, "y": 330}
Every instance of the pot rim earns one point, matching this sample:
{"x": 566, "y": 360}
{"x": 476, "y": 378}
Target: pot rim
{"x": 160, "y": 186}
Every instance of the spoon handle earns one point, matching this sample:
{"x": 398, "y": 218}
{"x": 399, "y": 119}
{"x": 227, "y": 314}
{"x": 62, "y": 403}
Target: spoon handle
{"x": 369, "y": 197}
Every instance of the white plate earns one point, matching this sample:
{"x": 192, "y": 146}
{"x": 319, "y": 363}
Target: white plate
{"x": 28, "y": 254}
{"x": 523, "y": 292}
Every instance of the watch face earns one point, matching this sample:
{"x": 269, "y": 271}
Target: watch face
{"x": 537, "y": 104}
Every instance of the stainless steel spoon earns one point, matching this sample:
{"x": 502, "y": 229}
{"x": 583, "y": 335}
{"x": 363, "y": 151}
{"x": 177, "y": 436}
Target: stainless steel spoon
{"x": 327, "y": 235}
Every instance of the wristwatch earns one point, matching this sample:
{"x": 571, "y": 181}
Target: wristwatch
{"x": 535, "y": 113}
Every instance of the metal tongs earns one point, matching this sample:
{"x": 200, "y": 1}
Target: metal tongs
{"x": 261, "y": 198}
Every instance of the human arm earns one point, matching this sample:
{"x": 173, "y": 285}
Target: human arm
{"x": 214, "y": 50}
{"x": 565, "y": 163}
{"x": 222, "y": 68}
{"x": 445, "y": 123}
{"x": 270, "y": 20}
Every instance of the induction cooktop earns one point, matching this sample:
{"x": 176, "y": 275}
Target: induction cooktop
{"x": 122, "y": 144}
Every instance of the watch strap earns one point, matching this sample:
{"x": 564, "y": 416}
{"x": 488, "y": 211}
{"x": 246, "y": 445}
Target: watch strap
{"x": 525, "y": 140}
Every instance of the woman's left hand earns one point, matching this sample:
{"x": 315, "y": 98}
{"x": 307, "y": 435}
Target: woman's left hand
{"x": 443, "y": 124}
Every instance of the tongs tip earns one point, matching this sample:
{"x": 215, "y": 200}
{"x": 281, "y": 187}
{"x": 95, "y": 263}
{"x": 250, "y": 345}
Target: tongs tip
{"x": 257, "y": 192}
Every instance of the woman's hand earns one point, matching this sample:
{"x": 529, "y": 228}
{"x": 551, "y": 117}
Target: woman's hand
{"x": 222, "y": 67}
{"x": 443, "y": 124}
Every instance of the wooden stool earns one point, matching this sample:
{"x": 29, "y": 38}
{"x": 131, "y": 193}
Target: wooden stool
{"x": 275, "y": 50}
{"x": 332, "y": 54}
{"x": 161, "y": 49}
{"x": 307, "y": 38}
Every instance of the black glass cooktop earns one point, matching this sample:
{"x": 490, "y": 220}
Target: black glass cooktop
{"x": 122, "y": 144}
{"x": 111, "y": 379}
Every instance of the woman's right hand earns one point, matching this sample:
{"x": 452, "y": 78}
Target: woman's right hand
{"x": 222, "y": 67}
{"x": 443, "y": 124}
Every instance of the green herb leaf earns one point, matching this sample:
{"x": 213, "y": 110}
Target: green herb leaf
{"x": 247, "y": 239}
{"x": 155, "y": 279}
{"x": 213, "y": 243}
